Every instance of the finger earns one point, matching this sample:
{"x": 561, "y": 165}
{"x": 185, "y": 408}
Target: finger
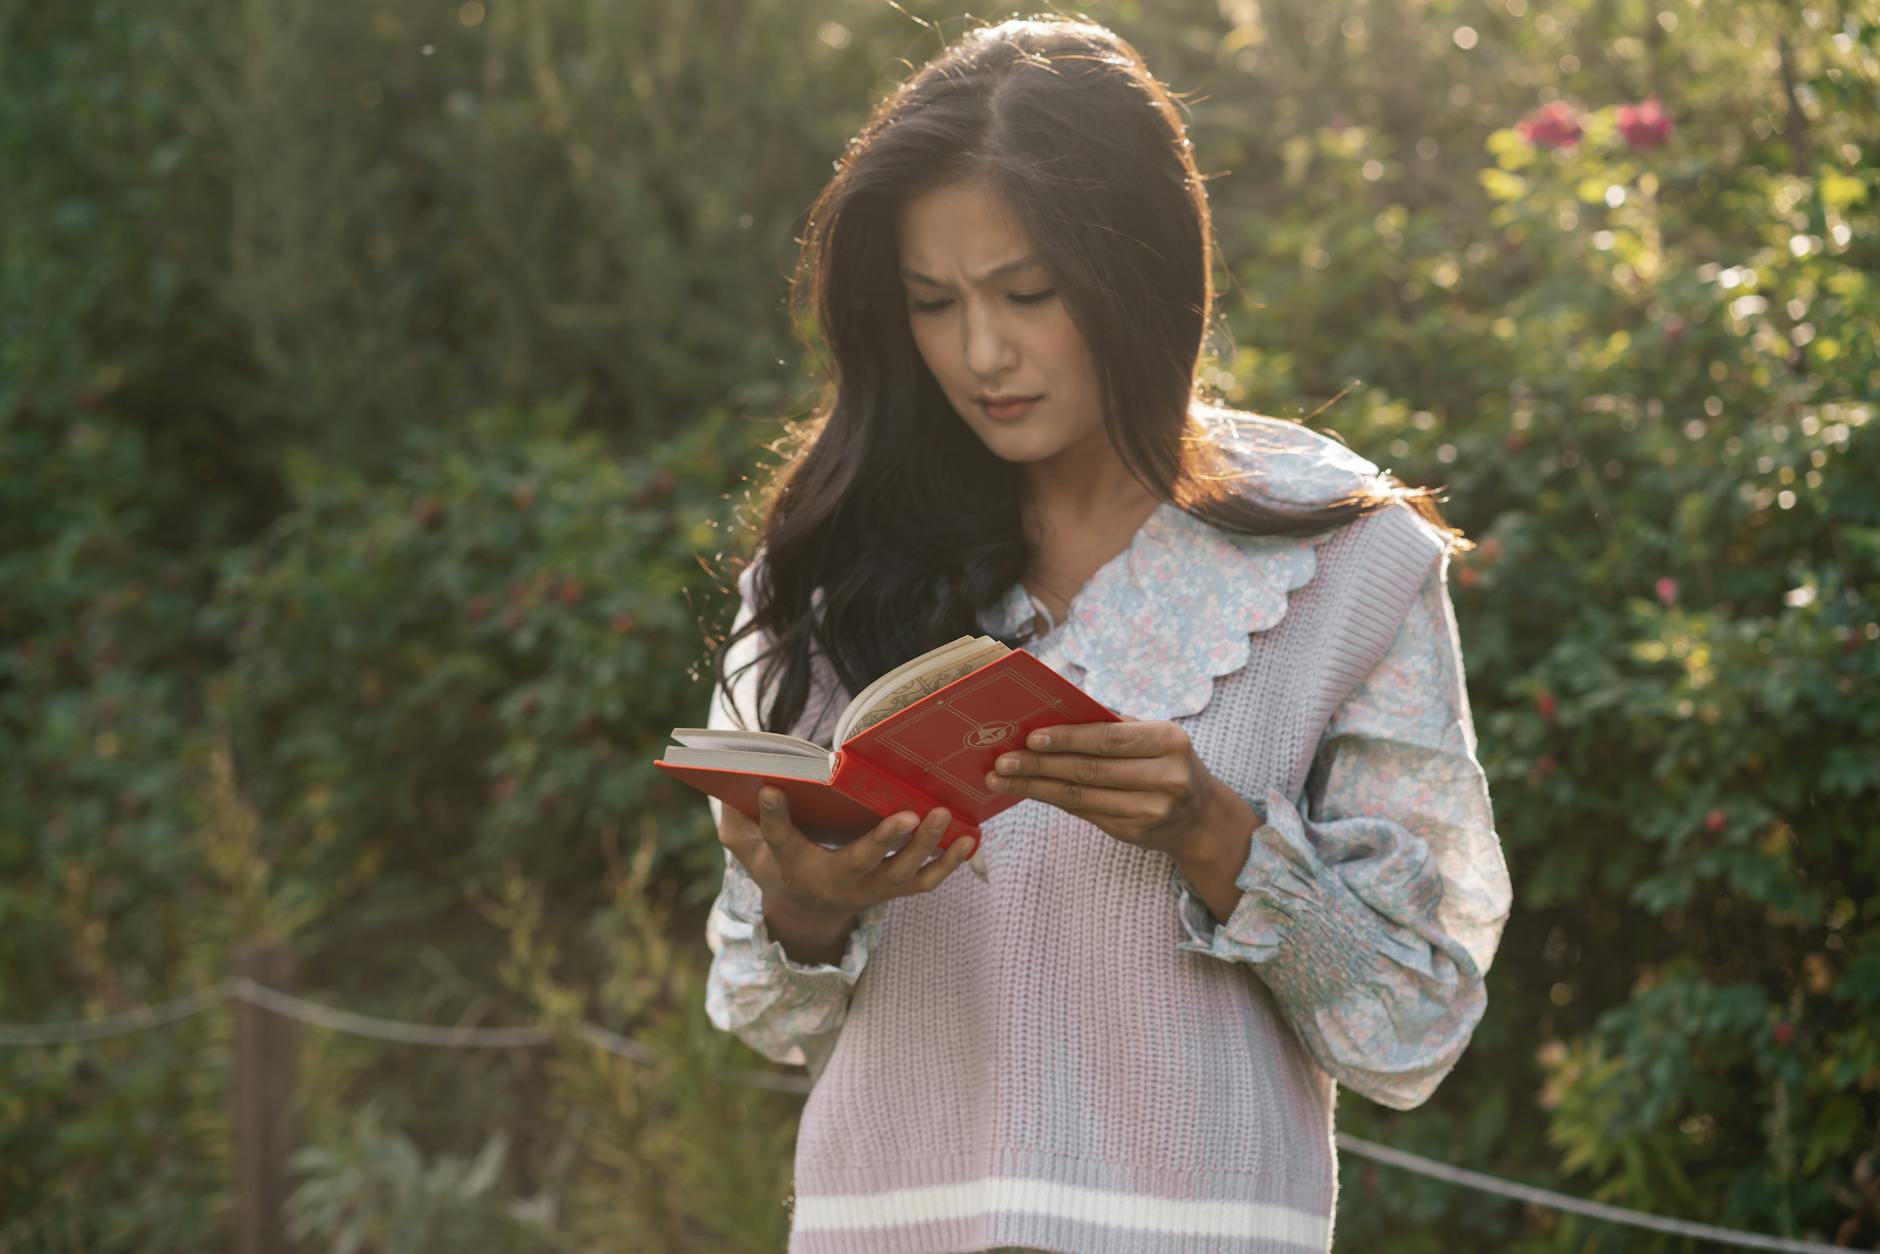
{"x": 1133, "y": 739}
{"x": 1078, "y": 798}
{"x": 757, "y": 862}
{"x": 779, "y": 833}
{"x": 901, "y": 867}
{"x": 892, "y": 833}
{"x": 958, "y": 854}
{"x": 739, "y": 832}
{"x": 1084, "y": 768}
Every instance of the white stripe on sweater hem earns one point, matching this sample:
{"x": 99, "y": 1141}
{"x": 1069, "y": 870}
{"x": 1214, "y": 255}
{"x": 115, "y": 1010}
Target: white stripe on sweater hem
{"x": 975, "y": 1198}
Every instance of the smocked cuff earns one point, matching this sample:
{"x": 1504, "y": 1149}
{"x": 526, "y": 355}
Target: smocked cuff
{"x": 738, "y": 916}
{"x": 1297, "y": 920}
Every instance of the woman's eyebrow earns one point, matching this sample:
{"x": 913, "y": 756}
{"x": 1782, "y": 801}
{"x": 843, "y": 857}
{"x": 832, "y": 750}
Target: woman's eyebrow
{"x": 983, "y": 279}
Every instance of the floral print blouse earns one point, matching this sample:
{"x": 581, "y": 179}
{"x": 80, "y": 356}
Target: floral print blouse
{"x": 1355, "y": 901}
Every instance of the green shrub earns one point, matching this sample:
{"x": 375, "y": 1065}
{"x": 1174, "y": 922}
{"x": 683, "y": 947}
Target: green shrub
{"x": 366, "y": 412}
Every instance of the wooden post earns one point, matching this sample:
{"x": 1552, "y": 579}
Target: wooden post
{"x": 264, "y": 1091}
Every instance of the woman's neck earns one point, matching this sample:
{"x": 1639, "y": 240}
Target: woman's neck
{"x": 1076, "y": 521}
{"x": 1082, "y": 490}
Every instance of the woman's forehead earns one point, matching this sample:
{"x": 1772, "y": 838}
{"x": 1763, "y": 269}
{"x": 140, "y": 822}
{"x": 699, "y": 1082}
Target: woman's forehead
{"x": 966, "y": 229}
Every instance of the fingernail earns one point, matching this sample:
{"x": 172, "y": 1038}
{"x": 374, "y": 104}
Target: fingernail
{"x": 767, "y": 800}
{"x": 1039, "y": 740}
{"x": 972, "y": 847}
{"x": 1007, "y": 764}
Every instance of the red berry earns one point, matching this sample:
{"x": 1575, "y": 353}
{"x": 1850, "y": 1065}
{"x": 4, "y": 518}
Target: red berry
{"x": 624, "y": 622}
{"x": 1783, "y": 1032}
{"x": 1715, "y": 819}
{"x": 658, "y": 487}
{"x": 1645, "y": 125}
{"x": 1547, "y": 705}
{"x": 1468, "y": 576}
{"x": 1553, "y": 125}
{"x": 571, "y": 591}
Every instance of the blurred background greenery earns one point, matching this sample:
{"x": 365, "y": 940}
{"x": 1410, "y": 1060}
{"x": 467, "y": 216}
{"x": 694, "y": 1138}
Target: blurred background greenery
{"x": 378, "y": 386}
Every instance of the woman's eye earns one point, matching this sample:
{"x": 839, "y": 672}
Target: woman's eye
{"x": 1017, "y": 298}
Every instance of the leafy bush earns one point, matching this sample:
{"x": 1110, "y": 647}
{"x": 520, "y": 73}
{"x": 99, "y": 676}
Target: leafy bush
{"x": 1642, "y": 368}
{"x": 370, "y": 390}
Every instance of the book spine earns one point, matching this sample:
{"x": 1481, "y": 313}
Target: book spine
{"x": 885, "y": 794}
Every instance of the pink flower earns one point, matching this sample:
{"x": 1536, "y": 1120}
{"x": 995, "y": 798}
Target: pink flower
{"x": 1644, "y": 125}
{"x": 1551, "y": 126}
{"x": 1667, "y": 589}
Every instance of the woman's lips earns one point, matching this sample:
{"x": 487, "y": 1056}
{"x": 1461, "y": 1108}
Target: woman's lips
{"x": 1008, "y": 411}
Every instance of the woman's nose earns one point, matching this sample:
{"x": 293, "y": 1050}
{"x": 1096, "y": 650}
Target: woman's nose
{"x": 988, "y": 348}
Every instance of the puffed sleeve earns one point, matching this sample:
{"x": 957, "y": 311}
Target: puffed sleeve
{"x": 788, "y": 1011}
{"x": 1373, "y": 905}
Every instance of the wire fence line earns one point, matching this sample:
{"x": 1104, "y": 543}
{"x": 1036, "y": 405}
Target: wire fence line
{"x": 74, "y": 1031}
{"x": 1578, "y": 1206}
{"x": 314, "y": 1014}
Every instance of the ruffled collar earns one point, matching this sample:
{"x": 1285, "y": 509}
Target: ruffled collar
{"x": 1157, "y": 624}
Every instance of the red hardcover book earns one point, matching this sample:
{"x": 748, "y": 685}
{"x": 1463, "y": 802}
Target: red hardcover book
{"x": 932, "y": 751}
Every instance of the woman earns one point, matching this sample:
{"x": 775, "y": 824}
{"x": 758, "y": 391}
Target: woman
{"x": 1279, "y": 875}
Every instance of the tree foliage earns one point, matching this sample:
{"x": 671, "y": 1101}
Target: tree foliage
{"x": 377, "y": 383}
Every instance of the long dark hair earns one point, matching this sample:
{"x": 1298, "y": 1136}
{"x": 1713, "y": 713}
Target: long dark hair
{"x": 886, "y": 501}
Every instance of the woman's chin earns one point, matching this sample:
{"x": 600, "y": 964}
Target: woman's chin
{"x": 1015, "y": 443}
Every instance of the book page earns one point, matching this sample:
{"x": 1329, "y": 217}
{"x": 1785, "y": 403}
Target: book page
{"x": 912, "y": 680}
{"x": 760, "y": 763}
{"x": 867, "y": 695}
{"x": 751, "y": 741}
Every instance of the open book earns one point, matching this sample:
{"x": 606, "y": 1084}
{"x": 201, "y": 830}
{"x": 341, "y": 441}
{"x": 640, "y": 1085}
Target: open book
{"x": 923, "y": 735}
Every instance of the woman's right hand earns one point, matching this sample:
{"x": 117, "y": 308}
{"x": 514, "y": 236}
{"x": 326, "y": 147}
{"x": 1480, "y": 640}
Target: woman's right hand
{"x": 829, "y": 887}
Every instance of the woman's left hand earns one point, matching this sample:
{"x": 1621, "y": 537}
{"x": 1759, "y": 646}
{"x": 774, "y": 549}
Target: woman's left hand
{"x": 1140, "y": 782}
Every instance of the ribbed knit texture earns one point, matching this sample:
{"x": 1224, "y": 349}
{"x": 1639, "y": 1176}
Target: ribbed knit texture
{"x": 992, "y": 1087}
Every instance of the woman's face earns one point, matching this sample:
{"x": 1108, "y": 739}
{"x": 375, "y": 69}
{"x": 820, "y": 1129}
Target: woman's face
{"x": 986, "y": 330}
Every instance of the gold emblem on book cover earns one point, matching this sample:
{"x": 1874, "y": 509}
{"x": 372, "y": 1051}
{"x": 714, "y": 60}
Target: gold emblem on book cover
{"x": 987, "y": 735}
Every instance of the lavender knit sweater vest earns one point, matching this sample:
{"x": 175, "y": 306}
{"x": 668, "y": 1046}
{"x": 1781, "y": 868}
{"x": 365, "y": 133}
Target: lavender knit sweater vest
{"x": 994, "y": 1086}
